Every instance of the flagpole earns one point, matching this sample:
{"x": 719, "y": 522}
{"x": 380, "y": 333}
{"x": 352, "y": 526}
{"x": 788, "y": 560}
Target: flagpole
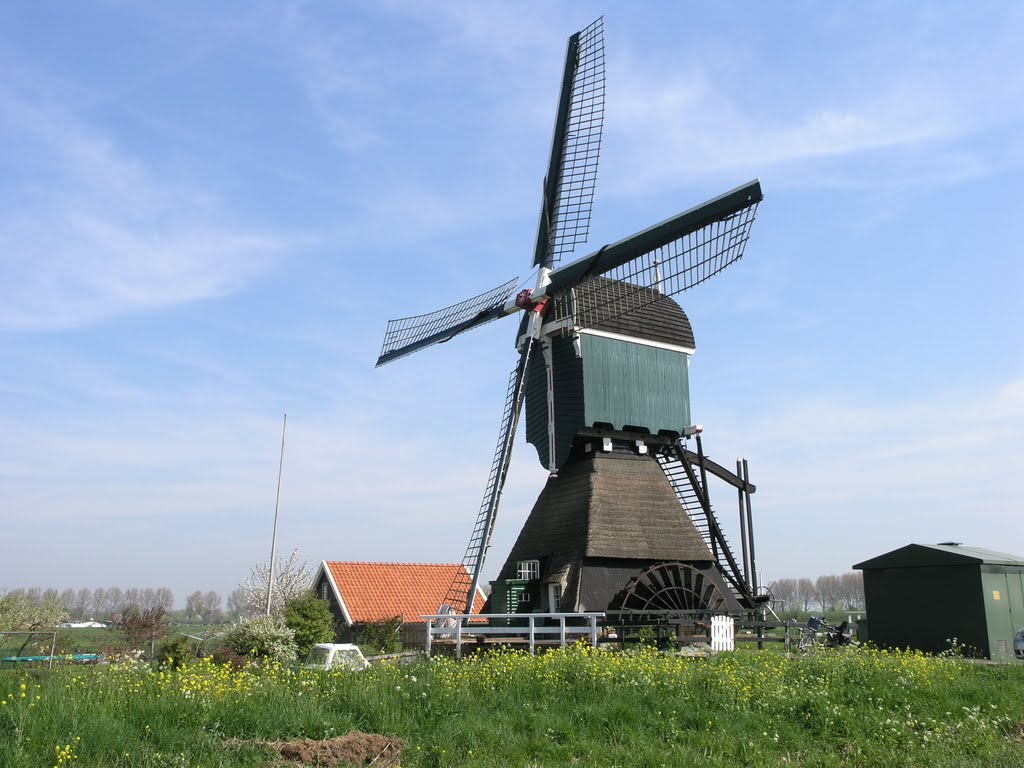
{"x": 277, "y": 507}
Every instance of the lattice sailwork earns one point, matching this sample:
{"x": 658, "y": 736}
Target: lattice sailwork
{"x": 665, "y": 270}
{"x": 569, "y": 217}
{"x": 406, "y": 335}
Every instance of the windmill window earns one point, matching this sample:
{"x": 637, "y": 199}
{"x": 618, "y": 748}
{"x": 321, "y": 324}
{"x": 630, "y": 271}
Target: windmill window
{"x": 555, "y": 598}
{"x": 528, "y": 569}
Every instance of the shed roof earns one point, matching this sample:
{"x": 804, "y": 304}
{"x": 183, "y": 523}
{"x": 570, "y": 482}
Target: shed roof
{"x": 925, "y": 555}
{"x": 372, "y": 592}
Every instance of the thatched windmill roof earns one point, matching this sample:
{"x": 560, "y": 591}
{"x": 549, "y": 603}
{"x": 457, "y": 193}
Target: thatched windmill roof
{"x": 608, "y": 506}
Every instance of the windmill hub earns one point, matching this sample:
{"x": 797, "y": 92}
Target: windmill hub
{"x": 525, "y": 302}
{"x": 625, "y": 518}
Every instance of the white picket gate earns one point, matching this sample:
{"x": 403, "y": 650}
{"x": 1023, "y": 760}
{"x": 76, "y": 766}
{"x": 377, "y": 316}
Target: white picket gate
{"x": 723, "y": 633}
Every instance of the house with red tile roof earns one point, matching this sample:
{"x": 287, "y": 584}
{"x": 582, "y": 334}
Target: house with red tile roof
{"x": 370, "y": 593}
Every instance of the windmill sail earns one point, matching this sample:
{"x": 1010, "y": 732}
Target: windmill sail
{"x": 661, "y": 261}
{"x": 463, "y": 588}
{"x": 408, "y": 334}
{"x": 575, "y": 147}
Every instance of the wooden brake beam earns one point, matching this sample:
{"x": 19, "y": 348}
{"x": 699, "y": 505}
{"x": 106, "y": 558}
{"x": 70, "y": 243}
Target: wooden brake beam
{"x": 718, "y": 471}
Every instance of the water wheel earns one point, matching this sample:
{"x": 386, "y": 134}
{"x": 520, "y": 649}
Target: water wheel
{"x": 671, "y": 587}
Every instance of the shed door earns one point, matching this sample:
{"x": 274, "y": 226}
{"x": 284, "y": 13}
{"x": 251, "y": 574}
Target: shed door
{"x": 1002, "y": 601}
{"x": 1015, "y": 593}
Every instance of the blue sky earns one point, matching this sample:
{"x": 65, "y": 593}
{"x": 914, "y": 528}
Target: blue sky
{"x": 208, "y": 212}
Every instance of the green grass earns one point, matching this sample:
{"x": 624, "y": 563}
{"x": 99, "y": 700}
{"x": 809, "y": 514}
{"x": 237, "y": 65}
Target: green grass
{"x": 583, "y": 707}
{"x": 93, "y": 639}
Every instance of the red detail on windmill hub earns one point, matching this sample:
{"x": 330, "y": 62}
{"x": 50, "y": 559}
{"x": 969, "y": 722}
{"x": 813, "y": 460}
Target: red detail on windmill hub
{"x": 523, "y": 302}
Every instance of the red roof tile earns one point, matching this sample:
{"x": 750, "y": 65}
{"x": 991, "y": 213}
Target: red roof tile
{"x": 381, "y": 591}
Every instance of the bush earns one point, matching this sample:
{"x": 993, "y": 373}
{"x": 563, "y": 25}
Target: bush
{"x": 311, "y": 620}
{"x": 173, "y": 653}
{"x": 382, "y": 637}
{"x": 262, "y": 637}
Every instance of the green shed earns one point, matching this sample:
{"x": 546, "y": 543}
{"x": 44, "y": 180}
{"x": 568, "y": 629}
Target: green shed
{"x": 923, "y": 595}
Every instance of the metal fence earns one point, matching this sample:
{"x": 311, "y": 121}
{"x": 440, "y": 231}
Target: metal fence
{"x": 539, "y": 628}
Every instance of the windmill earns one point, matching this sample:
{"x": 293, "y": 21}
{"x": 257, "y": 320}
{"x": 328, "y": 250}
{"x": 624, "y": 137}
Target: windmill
{"x": 625, "y": 519}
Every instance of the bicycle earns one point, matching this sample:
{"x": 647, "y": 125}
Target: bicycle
{"x": 810, "y": 639}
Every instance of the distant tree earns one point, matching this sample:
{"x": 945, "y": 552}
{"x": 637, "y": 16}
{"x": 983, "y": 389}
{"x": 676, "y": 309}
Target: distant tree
{"x": 784, "y": 590}
{"x": 99, "y": 603}
{"x": 132, "y": 600}
{"x": 82, "y": 603}
{"x": 292, "y": 579}
{"x": 852, "y": 590}
{"x": 164, "y": 598}
{"x": 311, "y": 620}
{"x": 806, "y": 594}
{"x": 212, "y": 613}
{"x": 829, "y": 591}
{"x": 115, "y": 599}
{"x": 203, "y": 607}
{"x": 194, "y": 607}
{"x": 67, "y": 598}
{"x": 237, "y": 606}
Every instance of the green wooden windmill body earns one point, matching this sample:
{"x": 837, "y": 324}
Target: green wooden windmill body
{"x": 627, "y": 374}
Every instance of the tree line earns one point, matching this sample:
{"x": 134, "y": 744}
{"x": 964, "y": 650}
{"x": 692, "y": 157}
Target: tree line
{"x": 38, "y": 606}
{"x": 35, "y": 607}
{"x": 835, "y": 592}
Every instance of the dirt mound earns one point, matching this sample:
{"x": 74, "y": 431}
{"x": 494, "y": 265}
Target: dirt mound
{"x": 359, "y": 749}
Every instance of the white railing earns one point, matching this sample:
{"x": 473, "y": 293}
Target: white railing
{"x": 471, "y": 625}
{"x": 723, "y": 633}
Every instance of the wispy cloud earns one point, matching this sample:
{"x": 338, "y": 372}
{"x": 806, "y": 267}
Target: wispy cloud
{"x": 92, "y": 232}
{"x": 334, "y": 68}
{"x": 699, "y": 130}
{"x": 841, "y": 479}
{"x": 913, "y": 93}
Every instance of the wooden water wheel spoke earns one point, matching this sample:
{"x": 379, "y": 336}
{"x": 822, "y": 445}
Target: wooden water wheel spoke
{"x": 689, "y": 577}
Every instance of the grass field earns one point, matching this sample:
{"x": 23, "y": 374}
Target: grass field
{"x": 573, "y": 707}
